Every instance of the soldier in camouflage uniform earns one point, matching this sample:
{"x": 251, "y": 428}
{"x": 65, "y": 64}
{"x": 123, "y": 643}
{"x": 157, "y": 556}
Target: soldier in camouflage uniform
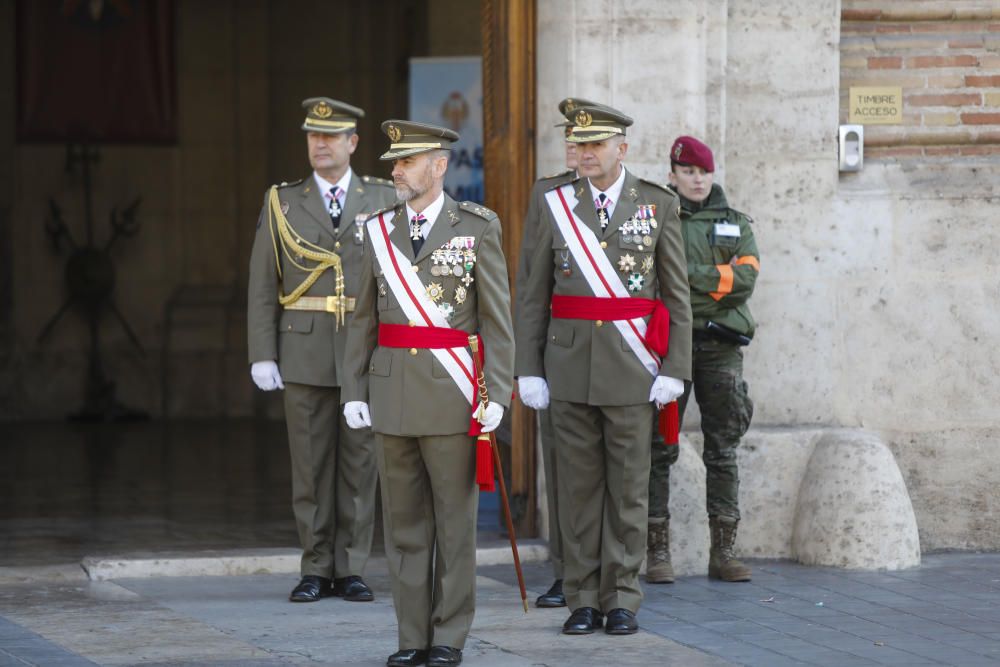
{"x": 723, "y": 265}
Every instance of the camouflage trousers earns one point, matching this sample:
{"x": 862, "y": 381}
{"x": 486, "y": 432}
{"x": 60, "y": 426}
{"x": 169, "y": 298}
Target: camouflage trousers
{"x": 726, "y": 411}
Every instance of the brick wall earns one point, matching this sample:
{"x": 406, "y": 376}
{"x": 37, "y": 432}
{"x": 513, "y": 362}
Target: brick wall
{"x": 945, "y": 54}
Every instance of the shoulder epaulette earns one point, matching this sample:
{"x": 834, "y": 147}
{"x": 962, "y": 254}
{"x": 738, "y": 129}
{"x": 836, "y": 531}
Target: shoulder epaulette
{"x": 477, "y": 209}
{"x": 558, "y": 183}
{"x": 662, "y": 186}
{"x": 289, "y": 184}
{"x": 375, "y": 180}
{"x": 382, "y": 210}
{"x": 558, "y": 174}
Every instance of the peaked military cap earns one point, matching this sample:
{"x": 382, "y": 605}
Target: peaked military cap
{"x": 570, "y": 104}
{"x": 410, "y": 138}
{"x": 330, "y": 116}
{"x": 596, "y": 122}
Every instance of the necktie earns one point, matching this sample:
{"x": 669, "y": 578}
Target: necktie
{"x": 603, "y": 201}
{"x": 335, "y": 207}
{"x": 416, "y": 234}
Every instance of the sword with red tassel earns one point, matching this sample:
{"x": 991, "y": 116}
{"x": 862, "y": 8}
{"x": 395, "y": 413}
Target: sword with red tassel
{"x": 490, "y": 437}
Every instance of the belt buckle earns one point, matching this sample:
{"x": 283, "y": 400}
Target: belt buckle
{"x": 331, "y": 304}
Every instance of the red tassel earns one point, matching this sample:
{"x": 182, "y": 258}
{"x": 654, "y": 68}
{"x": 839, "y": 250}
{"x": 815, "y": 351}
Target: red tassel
{"x": 484, "y": 465}
{"x": 670, "y": 423}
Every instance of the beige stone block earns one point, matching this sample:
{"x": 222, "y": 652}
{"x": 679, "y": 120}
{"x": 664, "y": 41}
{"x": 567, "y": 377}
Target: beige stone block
{"x": 907, "y": 81}
{"x": 909, "y": 43}
{"x": 945, "y": 81}
{"x": 853, "y": 62}
{"x": 797, "y": 353}
{"x": 992, "y": 99}
{"x": 933, "y": 119}
{"x": 853, "y": 508}
{"x": 951, "y": 475}
{"x": 928, "y": 324}
{"x": 772, "y": 463}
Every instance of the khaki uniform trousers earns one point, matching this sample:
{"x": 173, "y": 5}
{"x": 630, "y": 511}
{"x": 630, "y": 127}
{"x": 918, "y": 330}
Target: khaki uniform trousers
{"x": 429, "y": 507}
{"x": 551, "y": 490}
{"x": 333, "y": 482}
{"x": 603, "y": 463}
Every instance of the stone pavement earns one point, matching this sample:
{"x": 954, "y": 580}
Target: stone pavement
{"x": 947, "y": 612}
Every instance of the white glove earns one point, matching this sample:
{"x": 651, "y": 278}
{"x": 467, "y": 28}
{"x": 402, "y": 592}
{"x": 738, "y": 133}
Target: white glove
{"x": 490, "y": 417}
{"x": 357, "y": 415}
{"x": 534, "y": 392}
{"x": 665, "y": 390}
{"x": 266, "y": 376}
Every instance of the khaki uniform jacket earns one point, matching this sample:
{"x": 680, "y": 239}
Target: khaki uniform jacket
{"x": 412, "y": 394}
{"x": 589, "y": 362}
{"x": 529, "y": 234}
{"x": 300, "y": 341}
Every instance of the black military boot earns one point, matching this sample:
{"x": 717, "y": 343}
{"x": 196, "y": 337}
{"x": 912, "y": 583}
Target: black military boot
{"x": 722, "y": 564}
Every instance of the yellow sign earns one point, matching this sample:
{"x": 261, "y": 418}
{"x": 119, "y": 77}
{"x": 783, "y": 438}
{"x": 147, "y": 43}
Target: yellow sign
{"x": 881, "y": 105}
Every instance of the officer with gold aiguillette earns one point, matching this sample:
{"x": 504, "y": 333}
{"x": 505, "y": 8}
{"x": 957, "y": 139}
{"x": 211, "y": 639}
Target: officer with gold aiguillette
{"x": 303, "y": 277}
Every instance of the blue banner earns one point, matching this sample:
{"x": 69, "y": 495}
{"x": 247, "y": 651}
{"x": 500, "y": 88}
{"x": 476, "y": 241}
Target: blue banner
{"x": 449, "y": 92}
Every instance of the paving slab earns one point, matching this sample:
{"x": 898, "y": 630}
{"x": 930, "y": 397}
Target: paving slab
{"x": 773, "y": 621}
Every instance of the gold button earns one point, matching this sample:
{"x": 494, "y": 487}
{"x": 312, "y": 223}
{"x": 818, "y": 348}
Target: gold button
{"x": 289, "y": 327}
{"x": 413, "y": 351}
{"x": 599, "y": 323}
{"x": 604, "y": 244}
{"x": 415, "y": 268}
{"x": 372, "y": 368}
{"x": 336, "y": 245}
{"x": 553, "y": 338}
{"x": 412, "y": 323}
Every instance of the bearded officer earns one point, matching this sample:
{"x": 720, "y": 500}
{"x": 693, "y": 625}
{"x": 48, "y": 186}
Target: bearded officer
{"x": 303, "y": 276}
{"x": 554, "y": 596}
{"x": 606, "y": 292}
{"x": 433, "y": 274}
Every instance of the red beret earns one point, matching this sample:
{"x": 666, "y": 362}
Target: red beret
{"x": 688, "y": 150}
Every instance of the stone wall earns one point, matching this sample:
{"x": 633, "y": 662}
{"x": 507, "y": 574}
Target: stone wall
{"x": 877, "y": 296}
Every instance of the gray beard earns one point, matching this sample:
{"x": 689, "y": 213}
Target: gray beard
{"x": 404, "y": 193}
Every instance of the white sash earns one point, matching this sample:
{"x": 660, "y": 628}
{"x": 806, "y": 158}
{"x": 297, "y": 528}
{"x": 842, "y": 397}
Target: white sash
{"x": 413, "y": 299}
{"x": 597, "y": 270}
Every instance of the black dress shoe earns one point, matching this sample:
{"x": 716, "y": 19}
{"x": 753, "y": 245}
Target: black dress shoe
{"x": 352, "y": 589}
{"x": 444, "y": 656}
{"x": 583, "y": 621}
{"x": 553, "y": 597}
{"x": 311, "y": 589}
{"x": 407, "y": 657}
{"x": 621, "y": 622}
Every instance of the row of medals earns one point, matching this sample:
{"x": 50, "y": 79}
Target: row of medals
{"x": 639, "y": 232}
{"x": 451, "y": 259}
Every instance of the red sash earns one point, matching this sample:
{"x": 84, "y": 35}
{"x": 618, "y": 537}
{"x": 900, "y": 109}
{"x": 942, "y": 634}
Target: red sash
{"x": 657, "y": 335}
{"x": 610, "y": 308}
{"x": 436, "y": 338}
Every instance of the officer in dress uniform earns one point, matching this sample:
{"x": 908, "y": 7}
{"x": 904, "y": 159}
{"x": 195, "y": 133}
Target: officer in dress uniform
{"x": 433, "y": 274}
{"x": 723, "y": 265}
{"x": 604, "y": 327}
{"x": 303, "y": 277}
{"x": 554, "y": 597}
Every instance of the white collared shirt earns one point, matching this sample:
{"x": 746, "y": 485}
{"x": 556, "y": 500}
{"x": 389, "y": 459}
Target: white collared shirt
{"x": 325, "y": 186}
{"x": 613, "y": 193}
{"x": 430, "y": 213}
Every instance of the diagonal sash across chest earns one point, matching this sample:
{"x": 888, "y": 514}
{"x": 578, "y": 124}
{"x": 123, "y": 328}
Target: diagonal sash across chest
{"x": 418, "y": 307}
{"x": 597, "y": 270}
